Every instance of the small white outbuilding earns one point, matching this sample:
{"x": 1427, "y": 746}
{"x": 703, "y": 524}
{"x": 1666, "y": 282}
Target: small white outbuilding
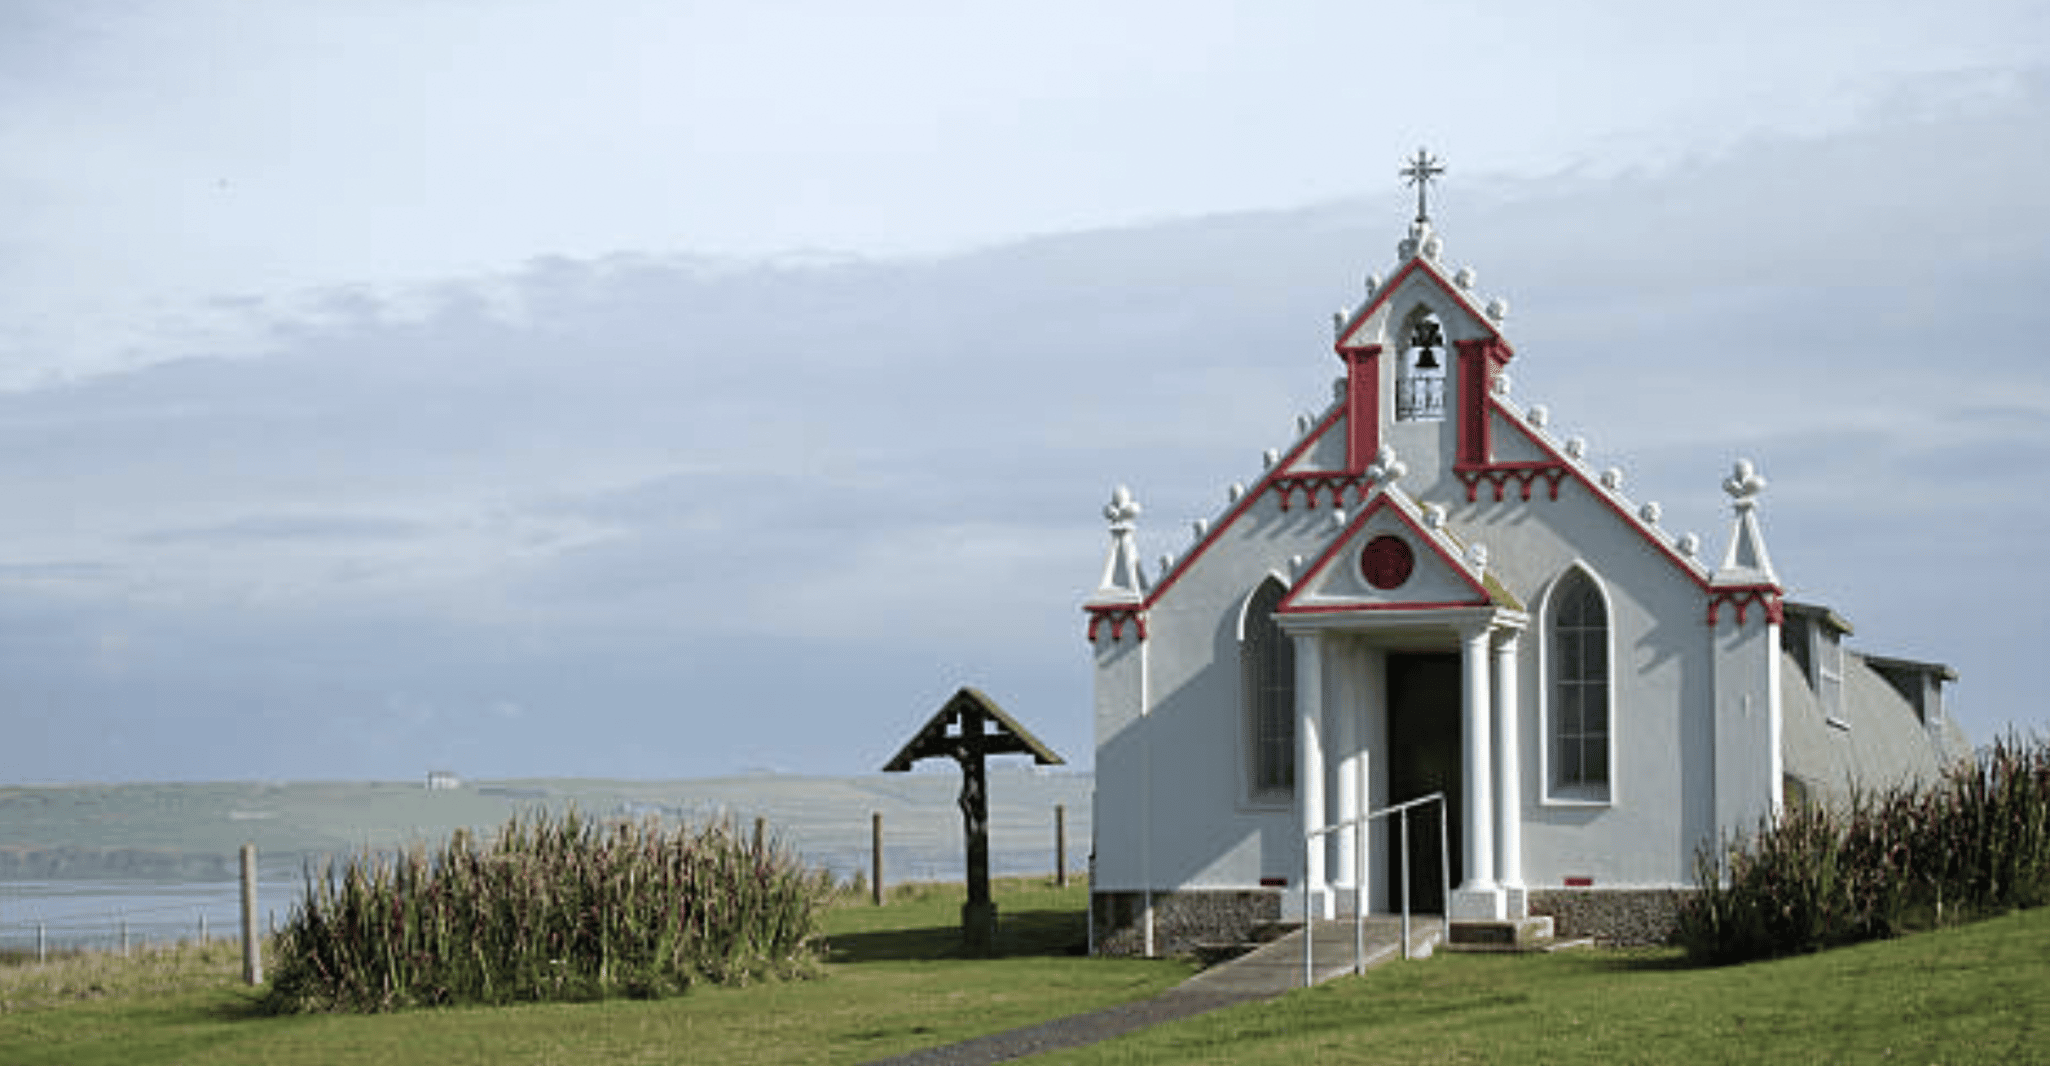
{"x": 1428, "y": 591}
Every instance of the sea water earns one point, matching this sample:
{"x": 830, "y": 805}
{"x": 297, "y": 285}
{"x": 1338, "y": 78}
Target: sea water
{"x": 92, "y": 914}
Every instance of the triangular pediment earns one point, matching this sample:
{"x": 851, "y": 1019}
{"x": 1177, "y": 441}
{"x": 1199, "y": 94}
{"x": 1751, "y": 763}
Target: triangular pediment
{"x": 1388, "y": 557}
{"x": 1418, "y": 281}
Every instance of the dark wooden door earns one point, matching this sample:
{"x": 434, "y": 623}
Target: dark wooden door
{"x": 1423, "y": 757}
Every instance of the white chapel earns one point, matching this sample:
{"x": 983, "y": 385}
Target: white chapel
{"x": 1427, "y": 591}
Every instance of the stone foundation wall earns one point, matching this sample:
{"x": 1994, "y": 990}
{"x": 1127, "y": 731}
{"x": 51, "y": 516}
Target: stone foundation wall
{"x": 1181, "y": 920}
{"x": 1611, "y": 915}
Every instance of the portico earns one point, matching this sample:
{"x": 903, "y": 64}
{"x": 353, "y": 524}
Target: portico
{"x": 1347, "y": 718}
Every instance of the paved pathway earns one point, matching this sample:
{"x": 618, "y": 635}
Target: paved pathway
{"x": 1261, "y": 974}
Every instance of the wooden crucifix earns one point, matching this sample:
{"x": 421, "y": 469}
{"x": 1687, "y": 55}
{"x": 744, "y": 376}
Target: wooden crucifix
{"x": 968, "y": 728}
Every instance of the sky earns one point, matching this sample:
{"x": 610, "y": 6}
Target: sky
{"x": 670, "y": 389}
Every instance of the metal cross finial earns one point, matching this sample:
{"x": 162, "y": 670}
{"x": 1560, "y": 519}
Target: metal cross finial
{"x": 1419, "y": 173}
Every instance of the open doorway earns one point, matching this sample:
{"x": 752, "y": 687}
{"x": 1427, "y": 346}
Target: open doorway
{"x": 1423, "y": 747}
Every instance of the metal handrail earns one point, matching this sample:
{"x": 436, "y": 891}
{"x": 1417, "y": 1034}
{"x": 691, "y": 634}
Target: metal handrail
{"x": 1359, "y": 858}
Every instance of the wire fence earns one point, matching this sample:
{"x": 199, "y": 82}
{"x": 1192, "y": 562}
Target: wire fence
{"x": 38, "y": 918}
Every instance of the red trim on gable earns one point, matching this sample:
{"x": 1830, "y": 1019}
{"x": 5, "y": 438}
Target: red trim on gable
{"x": 1743, "y": 596}
{"x": 1334, "y": 608}
{"x": 1315, "y": 481}
{"x": 1385, "y": 292}
{"x": 1572, "y": 470}
{"x": 1500, "y": 474}
{"x": 1167, "y": 580}
{"x": 1352, "y": 528}
{"x": 1117, "y": 615}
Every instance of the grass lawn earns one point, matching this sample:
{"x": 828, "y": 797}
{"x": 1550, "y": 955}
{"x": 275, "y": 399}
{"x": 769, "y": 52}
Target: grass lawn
{"x": 890, "y": 985}
{"x": 1980, "y": 994}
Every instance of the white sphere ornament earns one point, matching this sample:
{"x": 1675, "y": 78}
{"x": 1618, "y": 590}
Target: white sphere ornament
{"x": 1234, "y": 491}
{"x": 1269, "y": 457}
{"x": 1464, "y": 279}
{"x": 1649, "y": 512}
{"x": 1201, "y": 526}
{"x": 1498, "y": 309}
{"x": 1576, "y": 447}
{"x": 1538, "y": 415}
{"x": 1690, "y": 545}
{"x": 1612, "y": 479}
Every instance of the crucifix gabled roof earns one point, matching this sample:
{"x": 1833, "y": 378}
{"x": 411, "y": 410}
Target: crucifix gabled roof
{"x": 949, "y": 733}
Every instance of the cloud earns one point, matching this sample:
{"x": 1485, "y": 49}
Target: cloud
{"x": 655, "y": 502}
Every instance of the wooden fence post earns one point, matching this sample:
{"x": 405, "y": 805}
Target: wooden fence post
{"x": 252, "y": 949}
{"x": 875, "y": 881}
{"x": 1060, "y": 845}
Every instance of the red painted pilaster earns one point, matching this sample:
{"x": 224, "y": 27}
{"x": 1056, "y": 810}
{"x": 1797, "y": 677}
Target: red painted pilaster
{"x": 1362, "y": 405}
{"x": 1479, "y": 359}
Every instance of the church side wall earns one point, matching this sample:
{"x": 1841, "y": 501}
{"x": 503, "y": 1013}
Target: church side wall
{"x": 1661, "y": 804}
{"x": 1181, "y": 769}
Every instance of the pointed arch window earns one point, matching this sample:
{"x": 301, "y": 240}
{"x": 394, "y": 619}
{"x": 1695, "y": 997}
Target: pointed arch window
{"x": 1578, "y": 748}
{"x": 1267, "y": 670}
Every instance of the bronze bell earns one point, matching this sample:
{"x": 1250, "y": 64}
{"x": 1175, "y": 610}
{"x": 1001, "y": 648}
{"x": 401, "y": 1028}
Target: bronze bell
{"x": 1427, "y": 337}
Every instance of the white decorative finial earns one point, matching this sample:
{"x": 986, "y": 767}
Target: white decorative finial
{"x": 1269, "y": 457}
{"x": 1745, "y": 561}
{"x": 1121, "y": 509}
{"x": 1201, "y": 526}
{"x": 1500, "y": 385}
{"x": 1477, "y": 555}
{"x": 1576, "y": 447}
{"x": 1434, "y": 517}
{"x": 1612, "y": 479}
{"x": 1744, "y": 484}
{"x": 1434, "y": 245}
{"x": 1338, "y": 387}
{"x": 1386, "y": 469}
{"x": 1338, "y": 518}
{"x": 1649, "y": 512}
{"x": 1498, "y": 309}
{"x": 1373, "y": 284}
{"x": 1303, "y": 422}
{"x": 1123, "y": 581}
{"x": 1166, "y": 563}
{"x": 1295, "y": 564}
{"x": 1338, "y": 320}
{"x": 1464, "y": 279}
{"x": 1234, "y": 491}
{"x": 1538, "y": 415}
{"x": 1690, "y": 545}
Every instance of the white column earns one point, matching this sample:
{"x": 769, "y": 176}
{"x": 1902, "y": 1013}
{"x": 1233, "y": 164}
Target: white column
{"x": 1478, "y": 898}
{"x": 1309, "y": 765}
{"x": 1509, "y": 776}
{"x": 1345, "y": 737}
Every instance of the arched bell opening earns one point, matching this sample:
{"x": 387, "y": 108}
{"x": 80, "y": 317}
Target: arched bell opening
{"x": 1420, "y": 370}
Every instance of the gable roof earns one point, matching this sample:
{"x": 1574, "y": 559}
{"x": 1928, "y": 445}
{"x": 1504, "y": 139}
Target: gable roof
{"x": 1422, "y": 269}
{"x": 941, "y": 736}
{"x": 1441, "y": 576}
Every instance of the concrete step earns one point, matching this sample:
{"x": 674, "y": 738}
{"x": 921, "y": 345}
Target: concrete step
{"x": 1513, "y": 934}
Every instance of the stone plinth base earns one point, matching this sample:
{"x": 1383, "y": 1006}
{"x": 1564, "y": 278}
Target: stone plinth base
{"x": 1489, "y": 904}
{"x": 1181, "y": 920}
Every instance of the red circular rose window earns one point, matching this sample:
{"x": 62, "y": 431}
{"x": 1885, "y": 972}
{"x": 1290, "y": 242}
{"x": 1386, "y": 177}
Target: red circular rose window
{"x": 1387, "y": 562}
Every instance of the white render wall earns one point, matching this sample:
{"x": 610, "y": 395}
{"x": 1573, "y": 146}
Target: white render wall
{"x": 1202, "y": 830}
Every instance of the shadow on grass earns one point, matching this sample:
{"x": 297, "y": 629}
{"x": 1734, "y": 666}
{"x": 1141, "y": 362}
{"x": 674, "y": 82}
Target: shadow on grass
{"x": 1020, "y": 934}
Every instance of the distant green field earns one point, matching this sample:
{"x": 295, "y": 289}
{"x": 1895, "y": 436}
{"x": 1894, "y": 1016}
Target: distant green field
{"x": 192, "y": 831}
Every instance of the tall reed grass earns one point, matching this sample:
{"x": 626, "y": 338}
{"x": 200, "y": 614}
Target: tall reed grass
{"x": 1975, "y": 844}
{"x": 551, "y": 908}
